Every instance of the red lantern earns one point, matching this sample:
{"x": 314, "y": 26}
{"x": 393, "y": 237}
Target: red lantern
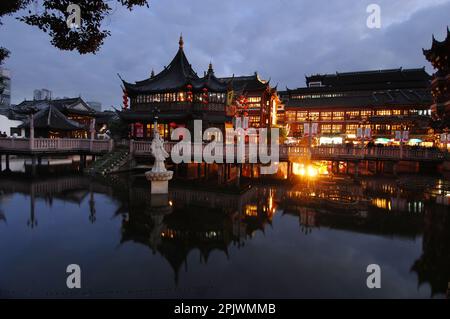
{"x": 173, "y": 125}
{"x": 189, "y": 93}
{"x": 205, "y": 97}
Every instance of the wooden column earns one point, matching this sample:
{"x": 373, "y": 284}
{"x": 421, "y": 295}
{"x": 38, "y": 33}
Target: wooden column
{"x": 7, "y": 162}
{"x": 31, "y": 131}
{"x": 33, "y": 165}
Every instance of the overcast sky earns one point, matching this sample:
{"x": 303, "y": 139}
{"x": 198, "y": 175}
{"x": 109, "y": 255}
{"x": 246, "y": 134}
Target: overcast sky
{"x": 281, "y": 39}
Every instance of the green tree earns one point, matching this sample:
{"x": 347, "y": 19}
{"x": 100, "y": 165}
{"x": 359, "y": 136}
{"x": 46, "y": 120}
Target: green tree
{"x": 51, "y": 18}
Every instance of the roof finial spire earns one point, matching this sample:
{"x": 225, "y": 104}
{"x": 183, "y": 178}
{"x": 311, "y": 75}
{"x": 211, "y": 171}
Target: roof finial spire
{"x": 181, "y": 42}
{"x": 210, "y": 68}
{"x": 152, "y": 75}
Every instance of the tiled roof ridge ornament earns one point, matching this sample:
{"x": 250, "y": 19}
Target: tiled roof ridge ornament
{"x": 181, "y": 42}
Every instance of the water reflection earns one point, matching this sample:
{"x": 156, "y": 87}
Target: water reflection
{"x": 230, "y": 222}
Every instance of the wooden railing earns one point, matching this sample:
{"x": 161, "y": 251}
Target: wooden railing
{"x": 59, "y": 145}
{"x": 143, "y": 148}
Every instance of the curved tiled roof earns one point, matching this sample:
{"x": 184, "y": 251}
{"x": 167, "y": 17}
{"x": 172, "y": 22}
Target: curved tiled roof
{"x": 52, "y": 118}
{"x": 176, "y": 76}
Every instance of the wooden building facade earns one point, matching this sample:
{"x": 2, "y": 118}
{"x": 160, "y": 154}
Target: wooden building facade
{"x": 385, "y": 101}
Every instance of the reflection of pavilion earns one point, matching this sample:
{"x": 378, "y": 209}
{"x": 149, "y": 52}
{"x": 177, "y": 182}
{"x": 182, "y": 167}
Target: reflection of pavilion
{"x": 70, "y": 188}
{"x": 433, "y": 266}
{"x": 2, "y": 216}
{"x": 353, "y": 207}
{"x": 201, "y": 221}
{"x": 208, "y": 222}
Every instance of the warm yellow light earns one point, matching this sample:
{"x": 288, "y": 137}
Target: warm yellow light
{"x": 308, "y": 170}
{"x": 312, "y": 172}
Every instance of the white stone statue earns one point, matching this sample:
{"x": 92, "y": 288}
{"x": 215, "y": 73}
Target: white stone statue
{"x": 159, "y": 176}
{"x": 159, "y": 153}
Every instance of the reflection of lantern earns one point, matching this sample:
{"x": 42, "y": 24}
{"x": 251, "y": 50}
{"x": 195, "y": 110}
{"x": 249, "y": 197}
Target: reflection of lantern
{"x": 125, "y": 100}
{"x": 189, "y": 93}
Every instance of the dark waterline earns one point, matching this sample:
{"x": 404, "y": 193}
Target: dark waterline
{"x": 284, "y": 240}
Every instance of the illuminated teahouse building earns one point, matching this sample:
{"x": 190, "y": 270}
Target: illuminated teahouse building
{"x": 176, "y": 96}
{"x": 256, "y": 99}
{"x": 438, "y": 56}
{"x": 385, "y": 101}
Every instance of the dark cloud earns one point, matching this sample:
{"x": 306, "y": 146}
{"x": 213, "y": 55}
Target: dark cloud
{"x": 282, "y": 39}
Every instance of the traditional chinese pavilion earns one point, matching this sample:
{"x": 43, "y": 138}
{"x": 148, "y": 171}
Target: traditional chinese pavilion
{"x": 176, "y": 96}
{"x": 256, "y": 99}
{"x": 68, "y": 117}
{"x": 438, "y": 56}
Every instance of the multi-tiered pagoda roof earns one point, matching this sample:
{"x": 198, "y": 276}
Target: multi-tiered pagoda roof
{"x": 438, "y": 55}
{"x": 175, "y": 77}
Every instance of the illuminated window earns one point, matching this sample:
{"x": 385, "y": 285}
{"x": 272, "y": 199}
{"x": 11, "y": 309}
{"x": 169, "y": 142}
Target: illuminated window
{"x": 217, "y": 97}
{"x": 314, "y": 116}
{"x": 302, "y": 116}
{"x": 337, "y": 129}
{"x": 351, "y": 128}
{"x": 326, "y": 116}
{"x": 352, "y": 115}
{"x": 366, "y": 114}
{"x": 255, "y": 119}
{"x": 326, "y": 128}
{"x": 396, "y": 112}
{"x": 254, "y": 100}
{"x": 384, "y": 113}
{"x": 290, "y": 116}
{"x": 338, "y": 116}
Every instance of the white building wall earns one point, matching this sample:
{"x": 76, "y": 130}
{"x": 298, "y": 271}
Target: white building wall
{"x": 6, "y": 124}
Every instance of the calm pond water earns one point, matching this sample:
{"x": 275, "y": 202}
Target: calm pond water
{"x": 266, "y": 240}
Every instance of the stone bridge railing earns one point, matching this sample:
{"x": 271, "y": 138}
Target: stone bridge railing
{"x": 58, "y": 145}
{"x": 143, "y": 148}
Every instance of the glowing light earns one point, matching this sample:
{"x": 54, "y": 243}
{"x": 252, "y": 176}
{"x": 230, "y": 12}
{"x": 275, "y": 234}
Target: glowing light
{"x": 310, "y": 171}
{"x": 251, "y": 210}
{"x": 382, "y": 140}
{"x": 330, "y": 140}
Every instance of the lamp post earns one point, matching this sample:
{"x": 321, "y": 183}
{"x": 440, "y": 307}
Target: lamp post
{"x": 156, "y": 112}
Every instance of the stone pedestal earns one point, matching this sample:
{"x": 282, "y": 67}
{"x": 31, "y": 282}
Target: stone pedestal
{"x": 159, "y": 181}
